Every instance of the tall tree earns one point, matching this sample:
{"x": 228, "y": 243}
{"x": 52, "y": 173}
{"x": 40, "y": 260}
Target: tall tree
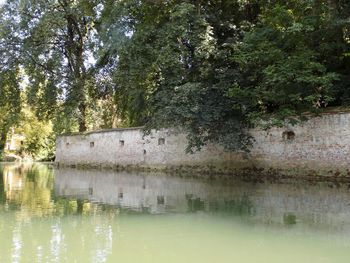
{"x": 10, "y": 99}
{"x": 283, "y": 73}
{"x": 170, "y": 68}
{"x": 59, "y": 41}
{"x": 213, "y": 68}
{"x": 216, "y": 67}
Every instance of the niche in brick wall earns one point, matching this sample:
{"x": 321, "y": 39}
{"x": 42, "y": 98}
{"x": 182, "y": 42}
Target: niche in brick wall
{"x": 288, "y": 136}
{"x": 161, "y": 141}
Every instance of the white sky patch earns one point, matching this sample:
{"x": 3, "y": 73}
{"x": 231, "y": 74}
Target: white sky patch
{"x": 90, "y": 60}
{"x": 2, "y": 2}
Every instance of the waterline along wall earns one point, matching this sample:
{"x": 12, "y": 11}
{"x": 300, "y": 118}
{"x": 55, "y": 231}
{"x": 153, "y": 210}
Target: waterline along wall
{"x": 319, "y": 143}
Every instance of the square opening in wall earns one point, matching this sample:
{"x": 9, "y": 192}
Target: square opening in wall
{"x": 161, "y": 141}
{"x": 160, "y": 200}
{"x": 121, "y": 143}
{"x": 92, "y": 144}
{"x": 288, "y": 136}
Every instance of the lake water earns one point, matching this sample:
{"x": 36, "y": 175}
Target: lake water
{"x": 68, "y": 215}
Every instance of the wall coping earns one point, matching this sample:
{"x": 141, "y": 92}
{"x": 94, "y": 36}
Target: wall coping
{"x": 101, "y": 131}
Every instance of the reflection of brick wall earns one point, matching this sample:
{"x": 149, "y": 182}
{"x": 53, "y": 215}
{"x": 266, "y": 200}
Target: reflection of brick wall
{"x": 156, "y": 193}
{"x": 321, "y": 141}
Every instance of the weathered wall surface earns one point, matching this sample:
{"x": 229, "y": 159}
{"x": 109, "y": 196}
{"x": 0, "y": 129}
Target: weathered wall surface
{"x": 319, "y": 142}
{"x": 130, "y": 147}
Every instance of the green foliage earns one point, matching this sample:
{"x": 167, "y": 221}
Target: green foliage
{"x": 168, "y": 73}
{"x": 215, "y": 68}
{"x": 10, "y": 103}
{"x": 58, "y": 41}
{"x": 40, "y": 139}
{"x": 10, "y": 99}
{"x": 209, "y": 68}
{"x": 282, "y": 72}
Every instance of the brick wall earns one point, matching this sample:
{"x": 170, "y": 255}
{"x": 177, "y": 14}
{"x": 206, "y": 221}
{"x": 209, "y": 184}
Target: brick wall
{"x": 319, "y": 142}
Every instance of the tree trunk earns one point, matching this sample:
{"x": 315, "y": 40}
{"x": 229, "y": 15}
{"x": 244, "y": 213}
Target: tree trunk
{"x": 2, "y": 186}
{"x": 80, "y": 207}
{"x": 82, "y": 117}
{"x": 77, "y": 33}
{"x": 3, "y": 139}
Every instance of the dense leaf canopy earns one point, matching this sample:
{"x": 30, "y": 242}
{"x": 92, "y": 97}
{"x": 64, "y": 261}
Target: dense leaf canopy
{"x": 210, "y": 68}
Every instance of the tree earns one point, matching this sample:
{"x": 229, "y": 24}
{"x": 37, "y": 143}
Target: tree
{"x": 59, "y": 40}
{"x": 210, "y": 68}
{"x": 216, "y": 68}
{"x": 40, "y": 139}
{"x": 9, "y": 104}
{"x": 332, "y": 42}
{"x": 10, "y": 99}
{"x": 170, "y": 68}
{"x": 283, "y": 73}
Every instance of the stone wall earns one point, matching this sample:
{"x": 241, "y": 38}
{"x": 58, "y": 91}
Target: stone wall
{"x": 319, "y": 142}
{"x": 129, "y": 147}
{"x": 322, "y": 142}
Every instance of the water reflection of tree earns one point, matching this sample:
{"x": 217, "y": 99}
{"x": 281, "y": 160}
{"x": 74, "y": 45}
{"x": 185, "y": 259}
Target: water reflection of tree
{"x": 34, "y": 196}
{"x": 2, "y": 187}
{"x": 29, "y": 192}
{"x": 241, "y": 206}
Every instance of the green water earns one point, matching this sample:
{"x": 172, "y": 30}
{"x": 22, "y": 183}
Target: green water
{"x": 69, "y": 215}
